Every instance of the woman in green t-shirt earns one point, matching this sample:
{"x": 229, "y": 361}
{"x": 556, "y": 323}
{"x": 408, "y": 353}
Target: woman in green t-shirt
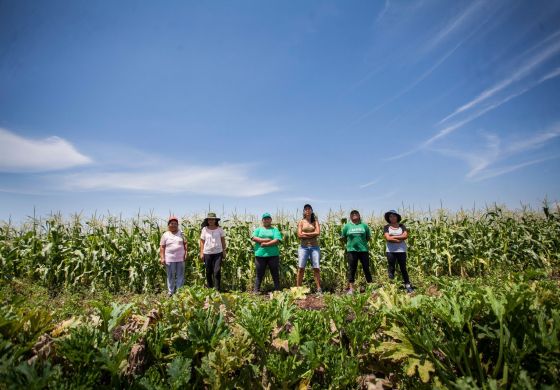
{"x": 356, "y": 235}
{"x": 267, "y": 253}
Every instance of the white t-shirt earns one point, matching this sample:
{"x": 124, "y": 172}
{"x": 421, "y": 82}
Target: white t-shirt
{"x": 174, "y": 249}
{"x": 212, "y": 240}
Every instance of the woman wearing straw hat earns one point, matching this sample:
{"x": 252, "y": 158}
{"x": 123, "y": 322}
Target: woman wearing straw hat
{"x": 396, "y": 233}
{"x": 212, "y": 250}
{"x": 267, "y": 253}
{"x": 173, "y": 253}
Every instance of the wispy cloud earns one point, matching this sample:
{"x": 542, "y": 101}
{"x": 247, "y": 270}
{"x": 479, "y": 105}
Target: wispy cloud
{"x": 423, "y": 76}
{"x": 460, "y": 21}
{"x": 491, "y": 173}
{"x": 383, "y": 12}
{"x": 224, "y": 180}
{"x": 20, "y": 154}
{"x": 529, "y": 65}
{"x": 369, "y": 184}
{"x": 451, "y": 128}
{"x": 482, "y": 163}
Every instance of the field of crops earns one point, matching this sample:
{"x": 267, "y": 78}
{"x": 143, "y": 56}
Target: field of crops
{"x": 122, "y": 255}
{"x": 83, "y": 306}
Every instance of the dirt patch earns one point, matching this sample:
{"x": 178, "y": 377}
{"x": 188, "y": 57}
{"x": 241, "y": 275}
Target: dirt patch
{"x": 43, "y": 348}
{"x": 433, "y": 291}
{"x": 311, "y": 302}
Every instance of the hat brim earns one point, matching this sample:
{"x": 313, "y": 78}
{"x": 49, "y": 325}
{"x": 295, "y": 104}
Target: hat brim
{"x": 388, "y": 213}
{"x": 215, "y": 219}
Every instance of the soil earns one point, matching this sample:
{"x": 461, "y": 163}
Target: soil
{"x": 311, "y": 302}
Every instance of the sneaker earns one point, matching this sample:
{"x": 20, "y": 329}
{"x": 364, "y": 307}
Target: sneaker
{"x": 319, "y": 291}
{"x": 350, "y": 291}
{"x": 409, "y": 288}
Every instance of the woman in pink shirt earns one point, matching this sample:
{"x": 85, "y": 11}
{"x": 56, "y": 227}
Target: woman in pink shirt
{"x": 173, "y": 253}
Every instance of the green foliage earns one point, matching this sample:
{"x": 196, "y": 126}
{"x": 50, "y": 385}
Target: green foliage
{"x": 122, "y": 255}
{"x": 490, "y": 318}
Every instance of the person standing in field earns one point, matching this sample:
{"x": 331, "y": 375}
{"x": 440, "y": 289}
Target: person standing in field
{"x": 308, "y": 231}
{"x": 396, "y": 233}
{"x": 173, "y": 253}
{"x": 212, "y": 250}
{"x": 267, "y": 253}
{"x": 356, "y": 234}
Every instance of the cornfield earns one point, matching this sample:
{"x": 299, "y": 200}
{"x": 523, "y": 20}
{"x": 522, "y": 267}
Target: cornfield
{"x": 485, "y": 313}
{"x": 122, "y": 255}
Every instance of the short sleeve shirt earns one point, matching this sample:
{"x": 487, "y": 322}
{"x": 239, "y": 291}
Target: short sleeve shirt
{"x": 272, "y": 233}
{"x": 174, "y": 246}
{"x": 212, "y": 240}
{"x": 395, "y": 246}
{"x": 357, "y": 236}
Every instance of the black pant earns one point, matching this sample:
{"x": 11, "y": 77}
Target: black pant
{"x": 273, "y": 263}
{"x": 392, "y": 259}
{"x": 353, "y": 258}
{"x": 213, "y": 264}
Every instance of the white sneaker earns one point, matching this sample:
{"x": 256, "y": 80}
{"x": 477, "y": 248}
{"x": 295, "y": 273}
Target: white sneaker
{"x": 350, "y": 291}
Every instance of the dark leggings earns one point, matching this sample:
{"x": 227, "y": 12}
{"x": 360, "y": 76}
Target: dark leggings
{"x": 353, "y": 258}
{"x": 213, "y": 265}
{"x": 273, "y": 263}
{"x": 392, "y": 259}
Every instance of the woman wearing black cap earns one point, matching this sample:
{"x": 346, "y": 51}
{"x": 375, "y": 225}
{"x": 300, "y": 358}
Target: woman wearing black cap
{"x": 395, "y": 233}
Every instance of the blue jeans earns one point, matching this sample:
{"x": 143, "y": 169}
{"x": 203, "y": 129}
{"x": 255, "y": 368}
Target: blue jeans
{"x": 175, "y": 276}
{"x": 312, "y": 253}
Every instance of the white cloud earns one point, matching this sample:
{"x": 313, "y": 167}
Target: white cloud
{"x": 224, "y": 180}
{"x": 490, "y": 173}
{"x": 20, "y": 154}
{"x": 483, "y": 163}
{"x": 418, "y": 80}
{"x": 369, "y": 184}
{"x": 463, "y": 18}
{"x": 530, "y": 64}
{"x": 535, "y": 142}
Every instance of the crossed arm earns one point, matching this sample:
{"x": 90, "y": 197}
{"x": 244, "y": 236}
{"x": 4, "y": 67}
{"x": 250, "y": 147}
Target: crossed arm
{"x": 265, "y": 241}
{"x": 399, "y": 238}
{"x": 313, "y": 234}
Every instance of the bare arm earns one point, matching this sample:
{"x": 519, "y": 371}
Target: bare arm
{"x": 162, "y": 254}
{"x": 224, "y": 247}
{"x": 185, "y": 247}
{"x": 260, "y": 240}
{"x": 313, "y": 234}
{"x": 270, "y": 242}
{"x": 402, "y": 236}
{"x": 201, "y": 243}
{"x": 390, "y": 238}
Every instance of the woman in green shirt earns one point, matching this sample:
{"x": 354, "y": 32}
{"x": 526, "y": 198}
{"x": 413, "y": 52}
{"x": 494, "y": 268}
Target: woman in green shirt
{"x": 356, "y": 234}
{"x": 267, "y": 253}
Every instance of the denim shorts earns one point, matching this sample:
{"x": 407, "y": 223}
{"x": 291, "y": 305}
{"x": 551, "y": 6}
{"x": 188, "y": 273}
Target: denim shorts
{"x": 309, "y": 252}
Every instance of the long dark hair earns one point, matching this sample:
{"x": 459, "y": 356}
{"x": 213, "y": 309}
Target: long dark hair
{"x": 205, "y": 223}
{"x": 312, "y": 213}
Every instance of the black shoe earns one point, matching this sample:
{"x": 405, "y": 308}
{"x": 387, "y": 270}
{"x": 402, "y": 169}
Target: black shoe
{"x": 409, "y": 289}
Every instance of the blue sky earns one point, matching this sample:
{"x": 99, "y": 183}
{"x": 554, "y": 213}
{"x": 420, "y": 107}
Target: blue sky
{"x": 266, "y": 105}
